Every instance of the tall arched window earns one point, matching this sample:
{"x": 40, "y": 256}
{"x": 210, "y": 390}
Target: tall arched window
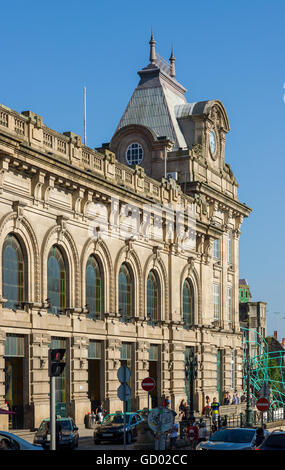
{"x": 57, "y": 280}
{"x": 126, "y": 292}
{"x": 94, "y": 288}
{"x": 14, "y": 272}
{"x": 153, "y": 297}
{"x": 188, "y": 303}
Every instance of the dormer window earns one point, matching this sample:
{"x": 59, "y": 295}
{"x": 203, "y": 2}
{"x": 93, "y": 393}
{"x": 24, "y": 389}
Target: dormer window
{"x": 134, "y": 154}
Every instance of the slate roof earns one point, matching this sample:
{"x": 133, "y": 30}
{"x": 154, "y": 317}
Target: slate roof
{"x": 153, "y": 105}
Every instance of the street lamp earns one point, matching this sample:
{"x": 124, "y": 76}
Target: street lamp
{"x": 191, "y": 367}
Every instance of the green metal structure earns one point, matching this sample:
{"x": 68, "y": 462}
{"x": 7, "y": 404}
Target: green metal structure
{"x": 266, "y": 368}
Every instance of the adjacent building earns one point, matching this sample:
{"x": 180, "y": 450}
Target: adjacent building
{"x": 252, "y": 317}
{"x": 127, "y": 254}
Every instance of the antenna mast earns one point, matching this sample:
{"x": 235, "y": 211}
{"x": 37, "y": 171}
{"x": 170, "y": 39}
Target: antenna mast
{"x": 85, "y": 115}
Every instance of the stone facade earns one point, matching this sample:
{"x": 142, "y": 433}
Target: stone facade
{"x": 48, "y": 184}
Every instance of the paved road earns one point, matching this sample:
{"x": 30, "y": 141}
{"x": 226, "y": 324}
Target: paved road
{"x": 86, "y": 441}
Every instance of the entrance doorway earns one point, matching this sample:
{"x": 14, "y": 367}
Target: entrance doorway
{"x": 14, "y": 395}
{"x": 14, "y": 379}
{"x": 95, "y": 374}
{"x": 127, "y": 360}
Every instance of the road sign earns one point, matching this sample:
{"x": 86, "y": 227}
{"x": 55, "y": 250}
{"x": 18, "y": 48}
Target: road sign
{"x": 160, "y": 420}
{"x": 262, "y": 404}
{"x": 148, "y": 384}
{"x": 124, "y": 374}
{"x": 124, "y": 392}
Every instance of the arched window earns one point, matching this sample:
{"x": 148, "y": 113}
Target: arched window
{"x": 188, "y": 303}
{"x": 14, "y": 272}
{"x": 153, "y": 297}
{"x": 57, "y": 280}
{"x": 126, "y": 292}
{"x": 94, "y": 288}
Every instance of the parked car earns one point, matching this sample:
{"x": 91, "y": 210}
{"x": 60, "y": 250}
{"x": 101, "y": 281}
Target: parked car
{"x": 9, "y": 441}
{"x": 68, "y": 434}
{"x": 274, "y": 441}
{"x": 231, "y": 439}
{"x": 144, "y": 413}
{"x": 112, "y": 428}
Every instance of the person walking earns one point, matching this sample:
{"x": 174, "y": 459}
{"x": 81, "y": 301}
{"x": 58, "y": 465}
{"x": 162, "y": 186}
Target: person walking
{"x": 100, "y": 412}
{"x": 183, "y": 417}
{"x": 193, "y": 434}
{"x": 173, "y": 435}
{"x": 215, "y": 410}
{"x": 182, "y": 409}
{"x": 207, "y": 408}
{"x": 202, "y": 432}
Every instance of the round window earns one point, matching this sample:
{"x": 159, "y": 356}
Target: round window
{"x": 134, "y": 154}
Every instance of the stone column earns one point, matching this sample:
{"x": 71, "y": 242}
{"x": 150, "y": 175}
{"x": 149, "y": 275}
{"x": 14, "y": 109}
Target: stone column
{"x": 79, "y": 401}
{"x": 177, "y": 374}
{"x": 165, "y": 372}
{"x": 112, "y": 365}
{"x": 3, "y": 418}
{"x": 39, "y": 386}
{"x": 236, "y": 238}
{"x": 142, "y": 358}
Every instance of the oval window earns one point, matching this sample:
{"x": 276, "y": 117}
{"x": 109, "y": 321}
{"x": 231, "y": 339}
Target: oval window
{"x": 134, "y": 154}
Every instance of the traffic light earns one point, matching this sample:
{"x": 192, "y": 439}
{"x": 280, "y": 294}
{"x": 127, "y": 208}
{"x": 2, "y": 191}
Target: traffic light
{"x": 56, "y": 367}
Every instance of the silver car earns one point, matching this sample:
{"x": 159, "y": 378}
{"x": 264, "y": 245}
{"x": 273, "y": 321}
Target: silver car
{"x": 231, "y": 439}
{"x": 9, "y": 441}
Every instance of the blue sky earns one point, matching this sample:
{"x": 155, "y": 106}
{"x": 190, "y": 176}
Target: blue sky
{"x": 232, "y": 51}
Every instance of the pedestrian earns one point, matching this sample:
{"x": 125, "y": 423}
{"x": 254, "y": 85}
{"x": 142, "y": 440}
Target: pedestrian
{"x": 259, "y": 437}
{"x": 226, "y": 400}
{"x": 213, "y": 429}
{"x": 173, "y": 436}
{"x": 5, "y": 444}
{"x": 215, "y": 410}
{"x": 235, "y": 400}
{"x": 193, "y": 434}
{"x": 207, "y": 408}
{"x": 182, "y": 409}
{"x": 183, "y": 417}
{"x": 100, "y": 412}
{"x": 166, "y": 402}
{"x": 93, "y": 418}
{"x": 243, "y": 398}
{"x": 203, "y": 432}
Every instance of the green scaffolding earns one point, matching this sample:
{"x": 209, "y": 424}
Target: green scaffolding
{"x": 263, "y": 368}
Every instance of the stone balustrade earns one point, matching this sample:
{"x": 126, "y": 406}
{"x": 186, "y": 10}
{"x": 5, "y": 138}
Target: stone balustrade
{"x": 27, "y": 128}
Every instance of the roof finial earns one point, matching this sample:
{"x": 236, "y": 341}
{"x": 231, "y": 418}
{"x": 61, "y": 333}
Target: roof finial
{"x": 152, "y": 56}
{"x": 172, "y": 64}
